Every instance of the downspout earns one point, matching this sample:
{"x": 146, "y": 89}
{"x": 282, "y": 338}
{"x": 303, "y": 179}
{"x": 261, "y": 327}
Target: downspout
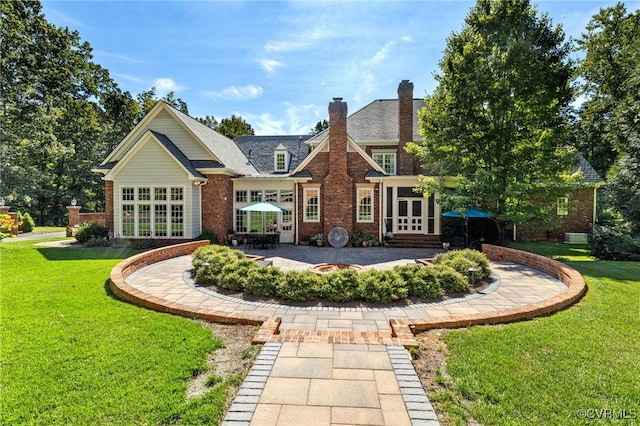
{"x": 295, "y": 210}
{"x": 595, "y": 209}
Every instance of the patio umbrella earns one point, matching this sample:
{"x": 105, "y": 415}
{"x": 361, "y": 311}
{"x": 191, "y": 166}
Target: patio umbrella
{"x": 264, "y": 207}
{"x": 470, "y": 212}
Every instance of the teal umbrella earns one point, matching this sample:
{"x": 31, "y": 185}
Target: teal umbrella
{"x": 470, "y": 212}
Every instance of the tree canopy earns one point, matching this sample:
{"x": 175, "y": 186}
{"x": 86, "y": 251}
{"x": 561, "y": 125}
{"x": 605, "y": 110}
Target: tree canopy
{"x": 497, "y": 120}
{"x": 610, "y": 117}
{"x": 230, "y": 127}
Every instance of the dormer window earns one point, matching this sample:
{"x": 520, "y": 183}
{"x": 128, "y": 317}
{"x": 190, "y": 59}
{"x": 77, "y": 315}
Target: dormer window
{"x": 281, "y": 159}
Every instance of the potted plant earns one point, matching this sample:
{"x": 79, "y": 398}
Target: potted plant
{"x": 357, "y": 237}
{"x": 318, "y": 239}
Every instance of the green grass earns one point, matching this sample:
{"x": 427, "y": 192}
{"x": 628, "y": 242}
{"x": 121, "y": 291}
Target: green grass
{"x": 563, "y": 369}
{"x": 72, "y": 353}
{"x": 48, "y": 229}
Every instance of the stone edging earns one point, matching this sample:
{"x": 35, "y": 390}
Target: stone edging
{"x": 132, "y": 295}
{"x": 402, "y": 329}
{"x": 569, "y": 276}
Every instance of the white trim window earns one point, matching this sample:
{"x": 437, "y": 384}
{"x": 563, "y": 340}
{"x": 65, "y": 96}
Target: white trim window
{"x": 365, "y": 205}
{"x": 152, "y": 212}
{"x": 311, "y": 202}
{"x": 281, "y": 159}
{"x": 385, "y": 159}
{"x": 562, "y": 206}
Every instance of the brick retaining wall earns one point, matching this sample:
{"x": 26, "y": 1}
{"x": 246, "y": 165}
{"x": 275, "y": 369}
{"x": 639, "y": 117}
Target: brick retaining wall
{"x": 569, "y": 276}
{"x": 130, "y": 294}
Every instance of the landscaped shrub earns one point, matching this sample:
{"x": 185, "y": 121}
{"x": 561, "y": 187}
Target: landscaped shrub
{"x": 615, "y": 241}
{"x": 300, "y": 286}
{"x": 264, "y": 281}
{"x": 5, "y": 226}
{"x": 480, "y": 261}
{"x": 421, "y": 281}
{"x": 463, "y": 265}
{"x": 88, "y": 230}
{"x": 208, "y": 262}
{"x": 450, "y": 280}
{"x": 235, "y": 274}
{"x": 381, "y": 286}
{"x": 97, "y": 242}
{"x": 340, "y": 286}
{"x": 26, "y": 222}
{"x": 210, "y": 235}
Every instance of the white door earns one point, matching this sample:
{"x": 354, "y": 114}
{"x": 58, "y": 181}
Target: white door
{"x": 410, "y": 220}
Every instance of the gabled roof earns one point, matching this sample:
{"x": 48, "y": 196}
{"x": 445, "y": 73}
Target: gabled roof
{"x": 377, "y": 122}
{"x": 221, "y": 146}
{"x": 259, "y": 150}
{"x": 589, "y": 174}
{"x": 172, "y": 150}
{"x": 176, "y": 153}
{"x": 223, "y": 153}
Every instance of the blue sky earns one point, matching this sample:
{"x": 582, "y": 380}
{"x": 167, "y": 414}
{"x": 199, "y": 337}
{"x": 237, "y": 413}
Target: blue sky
{"x": 278, "y": 64}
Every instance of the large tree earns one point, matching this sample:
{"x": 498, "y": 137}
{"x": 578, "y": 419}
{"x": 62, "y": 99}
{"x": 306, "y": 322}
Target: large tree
{"x": 497, "y": 121}
{"x": 610, "y": 116}
{"x": 51, "y": 122}
{"x": 610, "y": 46}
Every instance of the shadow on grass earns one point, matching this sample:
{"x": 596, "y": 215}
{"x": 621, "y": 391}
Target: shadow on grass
{"x": 84, "y": 253}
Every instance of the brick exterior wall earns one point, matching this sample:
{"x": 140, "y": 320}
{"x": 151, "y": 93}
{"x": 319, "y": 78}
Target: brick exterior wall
{"x": 217, "y": 204}
{"x": 108, "y": 205}
{"x": 579, "y": 219}
{"x": 338, "y": 172}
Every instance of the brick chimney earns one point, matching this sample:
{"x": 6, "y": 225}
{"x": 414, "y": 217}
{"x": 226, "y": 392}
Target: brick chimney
{"x": 405, "y": 127}
{"x": 337, "y": 186}
{"x": 338, "y": 136}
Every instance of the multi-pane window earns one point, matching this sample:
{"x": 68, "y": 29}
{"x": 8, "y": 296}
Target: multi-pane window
{"x": 241, "y": 221}
{"x": 177, "y": 220}
{"x": 365, "y": 204}
{"x": 241, "y": 196}
{"x": 287, "y": 220}
{"x": 563, "y": 206}
{"x": 145, "y": 212}
{"x": 160, "y": 220}
{"x": 144, "y": 194}
{"x": 312, "y": 205}
{"x": 160, "y": 194}
{"x": 128, "y": 194}
{"x": 386, "y": 160}
{"x": 281, "y": 162}
{"x": 271, "y": 195}
{"x": 286, "y": 196}
{"x": 256, "y": 196}
{"x": 128, "y": 220}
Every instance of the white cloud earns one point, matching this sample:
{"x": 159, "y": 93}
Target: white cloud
{"x": 294, "y": 120}
{"x": 270, "y": 65}
{"x": 242, "y": 93}
{"x": 129, "y": 78}
{"x": 165, "y": 85}
{"x": 381, "y": 54}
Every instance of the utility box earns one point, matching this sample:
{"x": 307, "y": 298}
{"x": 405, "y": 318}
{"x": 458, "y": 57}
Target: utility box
{"x": 576, "y": 238}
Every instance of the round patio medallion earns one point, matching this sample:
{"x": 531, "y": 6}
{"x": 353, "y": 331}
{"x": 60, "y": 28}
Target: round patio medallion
{"x": 338, "y": 237}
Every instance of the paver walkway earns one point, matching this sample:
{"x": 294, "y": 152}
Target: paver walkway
{"x": 310, "y": 373}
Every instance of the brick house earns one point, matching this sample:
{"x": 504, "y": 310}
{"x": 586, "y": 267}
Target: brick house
{"x": 172, "y": 178}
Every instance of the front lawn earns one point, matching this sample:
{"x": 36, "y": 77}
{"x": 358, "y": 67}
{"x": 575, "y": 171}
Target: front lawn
{"x": 72, "y": 353}
{"x": 578, "y": 366}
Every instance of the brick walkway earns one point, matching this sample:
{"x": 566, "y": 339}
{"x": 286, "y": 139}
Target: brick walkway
{"x": 334, "y": 365}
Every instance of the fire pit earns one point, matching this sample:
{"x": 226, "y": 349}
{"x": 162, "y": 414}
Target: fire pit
{"x": 325, "y": 268}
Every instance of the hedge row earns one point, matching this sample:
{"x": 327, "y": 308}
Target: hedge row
{"x": 229, "y": 269}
